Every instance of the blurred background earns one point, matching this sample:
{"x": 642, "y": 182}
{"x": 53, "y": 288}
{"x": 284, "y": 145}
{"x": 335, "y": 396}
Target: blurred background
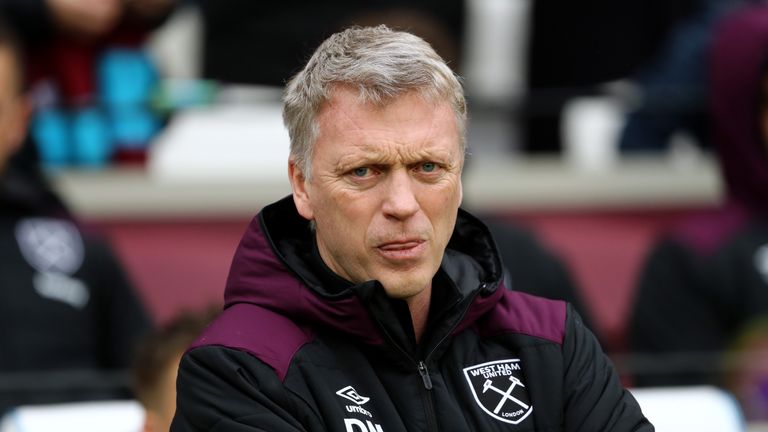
{"x": 596, "y": 134}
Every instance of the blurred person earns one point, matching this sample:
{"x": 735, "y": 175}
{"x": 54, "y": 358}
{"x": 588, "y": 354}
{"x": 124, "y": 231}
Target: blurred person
{"x": 157, "y": 362}
{"x": 367, "y": 300}
{"x": 64, "y": 37}
{"x": 65, "y": 302}
{"x": 709, "y": 276}
{"x": 673, "y": 93}
{"x": 41, "y": 19}
{"x": 38, "y": 19}
{"x": 672, "y": 85}
{"x": 576, "y": 47}
{"x": 81, "y": 54}
{"x": 235, "y": 48}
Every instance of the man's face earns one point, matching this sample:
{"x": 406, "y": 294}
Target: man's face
{"x": 13, "y": 108}
{"x": 385, "y": 189}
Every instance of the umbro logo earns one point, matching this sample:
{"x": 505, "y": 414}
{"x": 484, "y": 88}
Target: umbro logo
{"x": 355, "y": 424}
{"x": 349, "y": 393}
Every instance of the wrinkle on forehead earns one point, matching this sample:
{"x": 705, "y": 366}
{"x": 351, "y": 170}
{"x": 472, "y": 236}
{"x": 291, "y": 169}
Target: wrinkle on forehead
{"x": 381, "y": 141}
{"x": 343, "y": 103}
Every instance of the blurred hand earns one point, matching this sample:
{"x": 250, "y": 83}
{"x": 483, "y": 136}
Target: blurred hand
{"x": 86, "y": 17}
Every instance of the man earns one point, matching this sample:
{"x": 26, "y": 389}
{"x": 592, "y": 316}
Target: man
{"x": 368, "y": 301}
{"x": 65, "y": 303}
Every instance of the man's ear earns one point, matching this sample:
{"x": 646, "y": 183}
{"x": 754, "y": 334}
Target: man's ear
{"x": 299, "y": 185}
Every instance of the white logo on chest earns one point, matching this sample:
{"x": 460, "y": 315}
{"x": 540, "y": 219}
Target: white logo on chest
{"x": 498, "y": 389}
{"x": 50, "y": 245}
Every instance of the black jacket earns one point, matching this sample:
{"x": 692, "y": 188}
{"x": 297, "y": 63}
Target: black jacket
{"x": 68, "y": 313}
{"x": 296, "y": 350}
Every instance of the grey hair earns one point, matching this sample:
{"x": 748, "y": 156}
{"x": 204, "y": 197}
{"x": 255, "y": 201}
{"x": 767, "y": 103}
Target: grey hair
{"x": 381, "y": 64}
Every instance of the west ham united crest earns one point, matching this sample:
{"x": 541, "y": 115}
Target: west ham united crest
{"x": 499, "y": 389}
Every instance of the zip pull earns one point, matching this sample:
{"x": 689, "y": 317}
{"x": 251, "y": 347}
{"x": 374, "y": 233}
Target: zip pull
{"x": 425, "y": 375}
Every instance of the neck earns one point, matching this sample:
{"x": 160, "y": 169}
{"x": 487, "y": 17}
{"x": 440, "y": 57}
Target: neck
{"x": 419, "y": 308}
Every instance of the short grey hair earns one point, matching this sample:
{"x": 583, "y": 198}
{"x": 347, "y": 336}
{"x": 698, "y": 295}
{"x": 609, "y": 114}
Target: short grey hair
{"x": 382, "y": 64}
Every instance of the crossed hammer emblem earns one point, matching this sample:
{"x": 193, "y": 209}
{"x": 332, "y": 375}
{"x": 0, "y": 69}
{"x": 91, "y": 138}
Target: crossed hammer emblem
{"x": 505, "y": 395}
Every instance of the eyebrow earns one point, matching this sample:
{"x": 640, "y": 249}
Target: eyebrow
{"x": 350, "y": 161}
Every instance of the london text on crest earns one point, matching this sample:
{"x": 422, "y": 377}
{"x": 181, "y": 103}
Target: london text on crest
{"x": 498, "y": 389}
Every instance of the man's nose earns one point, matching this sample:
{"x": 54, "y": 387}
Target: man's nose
{"x": 400, "y": 199}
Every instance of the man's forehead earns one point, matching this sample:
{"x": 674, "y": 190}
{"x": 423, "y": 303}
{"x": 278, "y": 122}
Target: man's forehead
{"x": 345, "y": 96}
{"x": 399, "y": 132}
{"x": 346, "y": 109}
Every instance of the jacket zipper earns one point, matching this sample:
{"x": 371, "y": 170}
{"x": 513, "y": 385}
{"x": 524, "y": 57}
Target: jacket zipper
{"x": 425, "y": 375}
{"x": 429, "y": 404}
{"x": 421, "y": 365}
{"x": 424, "y": 372}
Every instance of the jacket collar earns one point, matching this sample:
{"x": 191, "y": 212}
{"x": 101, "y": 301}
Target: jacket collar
{"x": 273, "y": 268}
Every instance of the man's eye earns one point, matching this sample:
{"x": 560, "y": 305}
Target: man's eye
{"x": 361, "y": 172}
{"x": 428, "y": 166}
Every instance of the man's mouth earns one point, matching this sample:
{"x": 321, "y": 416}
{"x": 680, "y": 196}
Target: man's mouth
{"x": 400, "y": 245}
{"x": 402, "y": 250}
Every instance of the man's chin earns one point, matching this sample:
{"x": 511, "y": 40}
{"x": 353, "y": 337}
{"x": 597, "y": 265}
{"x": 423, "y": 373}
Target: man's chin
{"x": 401, "y": 288}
